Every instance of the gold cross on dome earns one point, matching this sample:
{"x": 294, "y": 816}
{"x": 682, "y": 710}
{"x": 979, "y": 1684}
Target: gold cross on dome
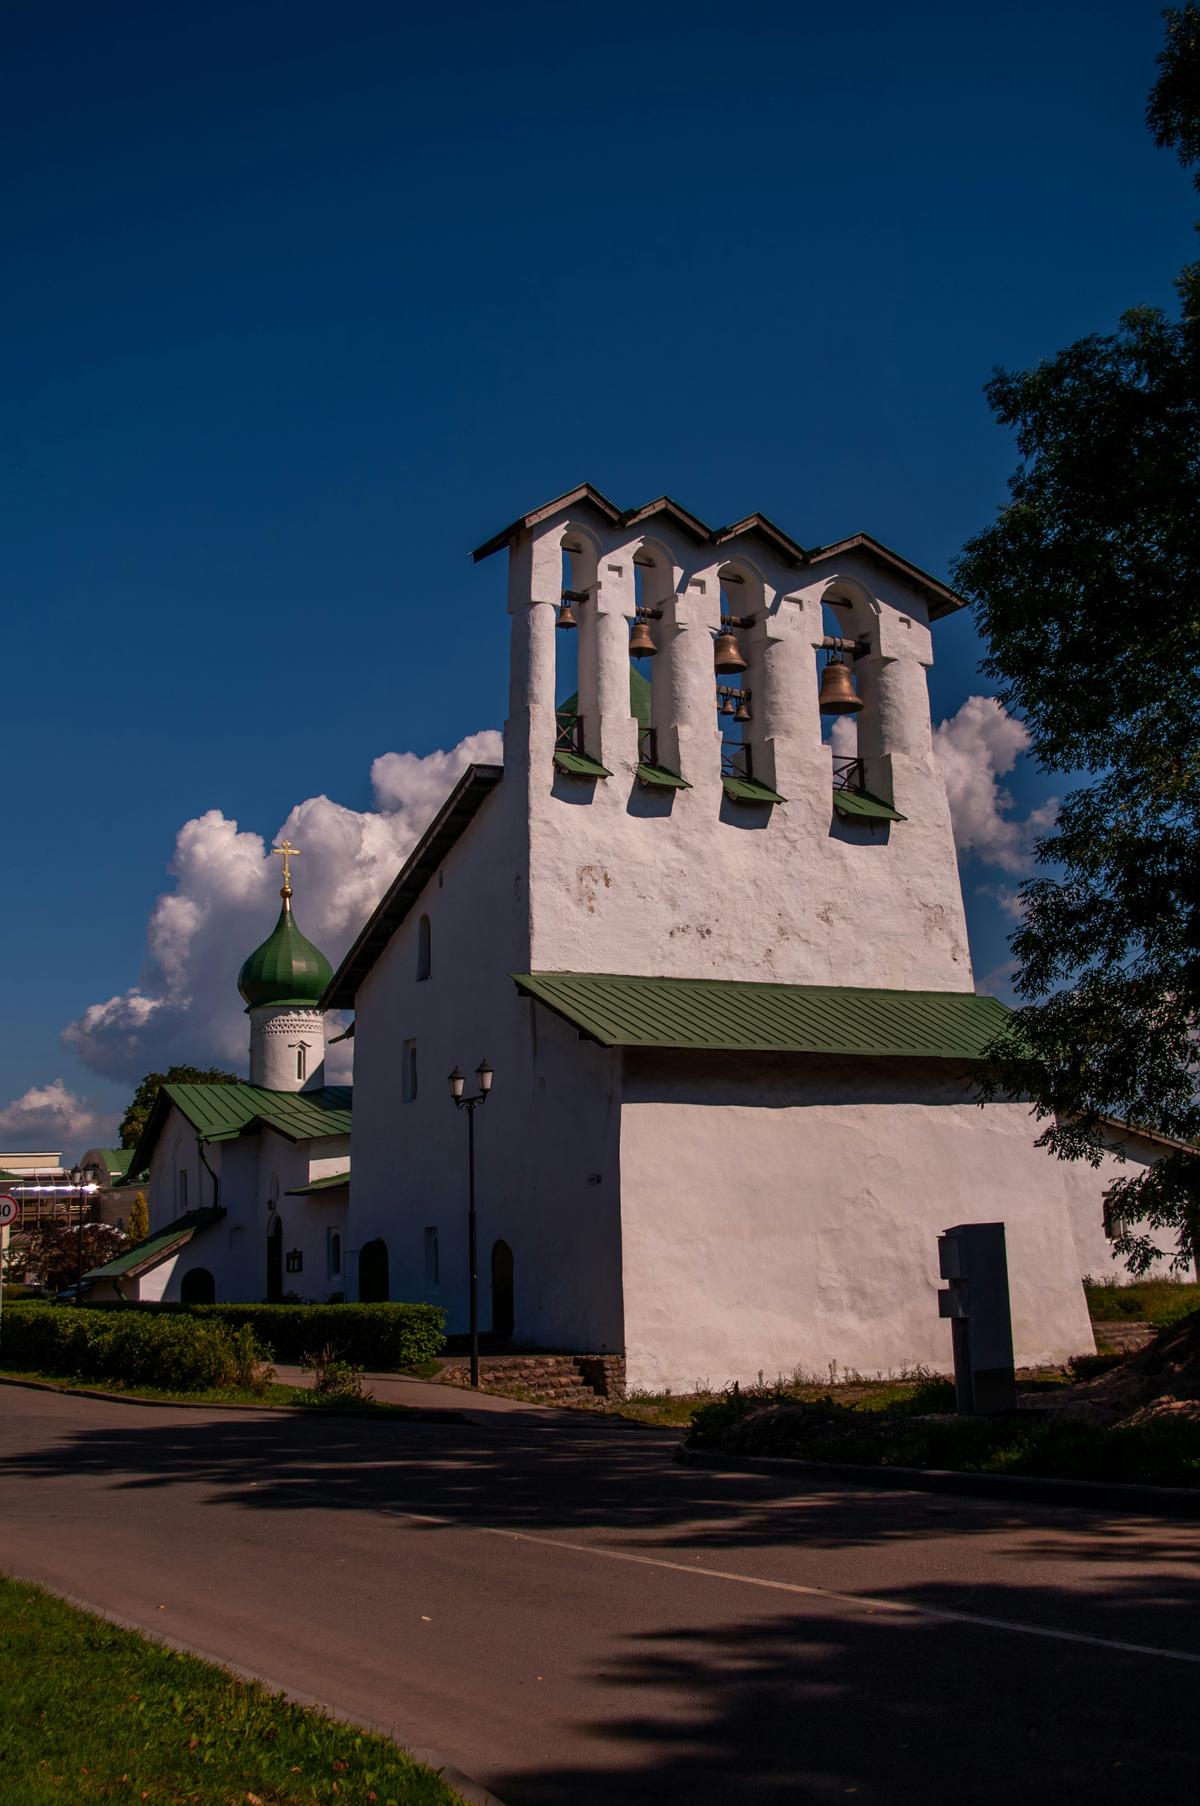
{"x": 286, "y": 851}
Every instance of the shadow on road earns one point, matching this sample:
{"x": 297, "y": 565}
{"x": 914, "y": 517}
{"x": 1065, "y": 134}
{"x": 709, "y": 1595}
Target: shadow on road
{"x": 798, "y": 1698}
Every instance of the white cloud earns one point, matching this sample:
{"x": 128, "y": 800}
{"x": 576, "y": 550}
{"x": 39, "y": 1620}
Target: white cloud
{"x": 51, "y": 1118}
{"x": 977, "y": 747}
{"x": 185, "y": 1006}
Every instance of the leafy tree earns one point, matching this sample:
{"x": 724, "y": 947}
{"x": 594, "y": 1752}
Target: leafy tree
{"x": 52, "y": 1251}
{"x": 137, "y": 1226}
{"x": 1087, "y": 588}
{"x": 138, "y": 1114}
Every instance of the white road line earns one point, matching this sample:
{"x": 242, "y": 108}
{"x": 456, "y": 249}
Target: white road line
{"x": 868, "y": 1602}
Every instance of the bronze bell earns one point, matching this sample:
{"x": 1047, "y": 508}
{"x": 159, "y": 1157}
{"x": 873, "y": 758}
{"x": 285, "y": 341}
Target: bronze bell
{"x": 837, "y": 695}
{"x": 727, "y": 706}
{"x": 566, "y": 616}
{"x": 641, "y": 641}
{"x": 727, "y": 660}
{"x": 743, "y": 710}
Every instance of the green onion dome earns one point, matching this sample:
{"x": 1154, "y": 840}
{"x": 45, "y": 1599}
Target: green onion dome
{"x": 287, "y": 968}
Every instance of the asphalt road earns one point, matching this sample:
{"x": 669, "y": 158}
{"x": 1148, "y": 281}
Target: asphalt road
{"x": 548, "y": 1602}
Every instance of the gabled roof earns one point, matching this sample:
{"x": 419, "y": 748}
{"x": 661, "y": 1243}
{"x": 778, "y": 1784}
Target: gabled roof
{"x": 942, "y": 600}
{"x": 156, "y": 1248}
{"x": 776, "y": 538}
{"x": 223, "y": 1112}
{"x": 455, "y": 815}
{"x": 583, "y": 492}
{"x": 729, "y": 1015}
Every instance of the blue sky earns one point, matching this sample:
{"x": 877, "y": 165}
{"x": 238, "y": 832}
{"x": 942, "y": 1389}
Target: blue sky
{"x": 303, "y": 302}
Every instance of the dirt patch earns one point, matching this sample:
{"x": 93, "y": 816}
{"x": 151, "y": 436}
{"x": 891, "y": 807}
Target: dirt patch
{"x": 1161, "y": 1380}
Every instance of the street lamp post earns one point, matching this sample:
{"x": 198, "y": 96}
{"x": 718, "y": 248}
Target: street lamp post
{"x": 79, "y": 1177}
{"x": 457, "y": 1083}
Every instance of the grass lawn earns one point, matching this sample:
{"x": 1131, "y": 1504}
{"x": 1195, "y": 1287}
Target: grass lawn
{"x": 676, "y": 1409}
{"x": 1156, "y": 1301}
{"x": 274, "y": 1394}
{"x": 89, "y": 1712}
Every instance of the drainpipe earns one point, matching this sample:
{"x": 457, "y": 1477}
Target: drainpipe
{"x": 208, "y": 1169}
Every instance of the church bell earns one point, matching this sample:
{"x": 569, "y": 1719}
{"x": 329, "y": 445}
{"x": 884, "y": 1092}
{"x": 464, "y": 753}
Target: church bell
{"x": 641, "y": 641}
{"x": 566, "y": 616}
{"x": 726, "y": 657}
{"x": 837, "y": 695}
{"x": 743, "y": 711}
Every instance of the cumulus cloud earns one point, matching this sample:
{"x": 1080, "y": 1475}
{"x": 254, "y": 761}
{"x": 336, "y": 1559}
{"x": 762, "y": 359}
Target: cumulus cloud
{"x": 51, "y": 1118}
{"x": 977, "y": 747}
{"x": 185, "y": 1005}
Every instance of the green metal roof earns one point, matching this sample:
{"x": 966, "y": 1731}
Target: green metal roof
{"x": 287, "y": 969}
{"x": 222, "y": 1112}
{"x": 117, "y": 1159}
{"x": 156, "y": 1248}
{"x": 728, "y": 1014}
{"x": 861, "y": 805}
{"x": 240, "y": 1109}
{"x": 333, "y": 1182}
{"x": 746, "y": 790}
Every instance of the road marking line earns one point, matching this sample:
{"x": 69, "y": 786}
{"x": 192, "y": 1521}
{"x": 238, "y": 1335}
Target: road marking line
{"x": 869, "y": 1602}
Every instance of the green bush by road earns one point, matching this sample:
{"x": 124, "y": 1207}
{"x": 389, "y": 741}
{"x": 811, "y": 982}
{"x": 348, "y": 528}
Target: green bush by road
{"x": 1157, "y": 1453}
{"x": 131, "y": 1348}
{"x": 386, "y": 1338}
{"x": 91, "y": 1713}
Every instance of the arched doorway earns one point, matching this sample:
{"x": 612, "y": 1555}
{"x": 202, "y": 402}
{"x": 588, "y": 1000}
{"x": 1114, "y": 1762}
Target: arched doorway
{"x": 502, "y": 1291}
{"x": 373, "y": 1272}
{"x": 198, "y": 1287}
{"x": 275, "y": 1261}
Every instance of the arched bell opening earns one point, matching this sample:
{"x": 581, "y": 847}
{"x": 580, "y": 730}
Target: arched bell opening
{"x": 579, "y": 562}
{"x": 736, "y": 657}
{"x": 849, "y": 634}
{"x": 653, "y": 591}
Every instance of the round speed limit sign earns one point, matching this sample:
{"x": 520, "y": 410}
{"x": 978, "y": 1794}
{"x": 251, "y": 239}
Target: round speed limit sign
{"x": 10, "y": 1210}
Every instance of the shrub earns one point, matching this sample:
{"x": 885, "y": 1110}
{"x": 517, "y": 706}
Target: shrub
{"x": 1162, "y": 1452}
{"x": 132, "y": 1348}
{"x": 334, "y": 1380}
{"x": 386, "y": 1337}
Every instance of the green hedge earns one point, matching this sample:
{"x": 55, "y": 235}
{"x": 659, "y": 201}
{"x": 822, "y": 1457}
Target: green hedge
{"x": 133, "y": 1347}
{"x": 383, "y": 1337}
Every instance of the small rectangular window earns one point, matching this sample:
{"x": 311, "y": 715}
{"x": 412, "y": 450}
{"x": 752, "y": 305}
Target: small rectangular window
{"x": 432, "y": 1272}
{"x": 302, "y": 1060}
{"x": 183, "y": 1203}
{"x": 333, "y": 1253}
{"x": 408, "y": 1072}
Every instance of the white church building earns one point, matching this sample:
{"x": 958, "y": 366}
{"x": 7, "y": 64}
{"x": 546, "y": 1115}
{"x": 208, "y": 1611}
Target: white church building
{"x": 721, "y": 975}
{"x": 720, "y": 971}
{"x": 248, "y": 1184}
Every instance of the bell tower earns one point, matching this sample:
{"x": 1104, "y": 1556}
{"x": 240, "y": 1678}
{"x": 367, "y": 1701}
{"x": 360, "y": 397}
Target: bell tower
{"x": 282, "y": 982}
{"x": 696, "y": 824}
